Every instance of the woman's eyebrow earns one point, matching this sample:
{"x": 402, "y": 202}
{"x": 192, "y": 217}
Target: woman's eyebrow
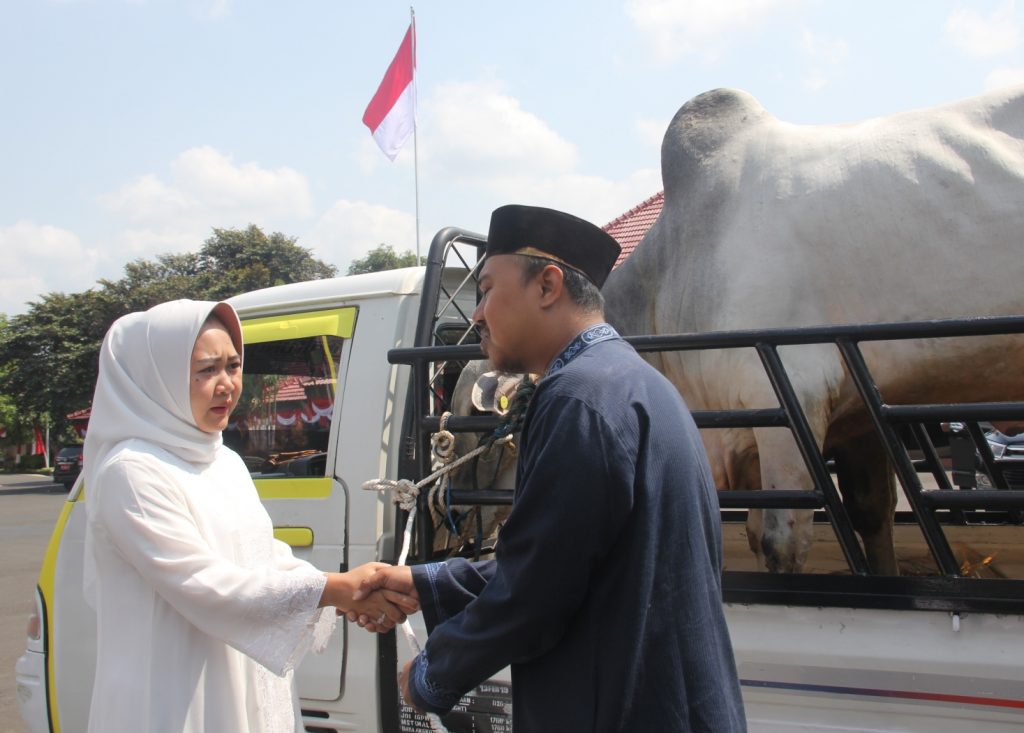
{"x": 210, "y": 359}
{"x": 217, "y": 357}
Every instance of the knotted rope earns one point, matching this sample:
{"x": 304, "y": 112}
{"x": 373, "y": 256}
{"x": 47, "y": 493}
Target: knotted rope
{"x": 405, "y": 494}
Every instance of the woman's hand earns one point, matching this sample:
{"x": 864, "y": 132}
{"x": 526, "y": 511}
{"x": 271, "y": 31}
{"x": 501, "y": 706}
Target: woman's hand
{"x": 378, "y": 611}
{"x": 394, "y": 582}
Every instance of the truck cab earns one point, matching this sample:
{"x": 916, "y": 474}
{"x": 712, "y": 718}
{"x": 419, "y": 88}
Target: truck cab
{"x": 321, "y": 413}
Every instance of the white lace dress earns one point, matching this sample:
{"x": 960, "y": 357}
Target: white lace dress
{"x": 202, "y": 614}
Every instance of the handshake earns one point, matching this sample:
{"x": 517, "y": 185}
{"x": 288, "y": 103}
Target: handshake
{"x": 377, "y": 596}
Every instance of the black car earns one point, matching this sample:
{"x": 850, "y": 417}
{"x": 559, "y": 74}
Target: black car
{"x": 1008, "y": 450}
{"x": 968, "y": 467}
{"x": 68, "y": 465}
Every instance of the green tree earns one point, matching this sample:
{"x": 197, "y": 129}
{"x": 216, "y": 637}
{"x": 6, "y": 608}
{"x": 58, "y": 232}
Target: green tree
{"x": 49, "y": 355}
{"x": 14, "y": 425}
{"x": 235, "y": 261}
{"x": 384, "y": 257}
{"x": 9, "y": 421}
{"x": 148, "y": 282}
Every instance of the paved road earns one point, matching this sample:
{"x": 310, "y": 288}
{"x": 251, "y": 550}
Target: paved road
{"x": 29, "y": 506}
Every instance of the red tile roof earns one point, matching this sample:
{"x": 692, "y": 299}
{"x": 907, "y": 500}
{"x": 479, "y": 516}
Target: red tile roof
{"x": 631, "y": 227}
{"x": 297, "y": 389}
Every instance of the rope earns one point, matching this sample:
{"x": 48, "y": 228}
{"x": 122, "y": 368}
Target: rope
{"x": 442, "y": 447}
{"x": 405, "y": 493}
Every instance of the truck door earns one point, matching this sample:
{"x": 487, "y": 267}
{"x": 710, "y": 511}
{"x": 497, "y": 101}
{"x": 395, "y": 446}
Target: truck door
{"x": 284, "y": 430}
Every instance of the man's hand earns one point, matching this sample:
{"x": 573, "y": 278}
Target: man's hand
{"x": 396, "y": 578}
{"x": 394, "y": 584}
{"x": 380, "y": 611}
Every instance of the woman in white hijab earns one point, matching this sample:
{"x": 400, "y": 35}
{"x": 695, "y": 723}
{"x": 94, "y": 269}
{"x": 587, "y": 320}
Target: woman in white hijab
{"x": 202, "y": 615}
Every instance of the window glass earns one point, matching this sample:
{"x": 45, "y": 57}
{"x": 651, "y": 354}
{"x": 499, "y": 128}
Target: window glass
{"x": 282, "y": 424}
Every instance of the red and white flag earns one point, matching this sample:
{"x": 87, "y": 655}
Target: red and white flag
{"x": 38, "y": 446}
{"x": 391, "y": 114}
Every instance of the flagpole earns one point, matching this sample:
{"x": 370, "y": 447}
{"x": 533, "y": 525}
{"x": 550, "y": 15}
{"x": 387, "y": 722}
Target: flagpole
{"x": 415, "y": 144}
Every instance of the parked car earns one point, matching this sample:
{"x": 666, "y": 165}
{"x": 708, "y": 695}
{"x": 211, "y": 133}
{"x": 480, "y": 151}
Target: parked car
{"x": 1007, "y": 450}
{"x": 68, "y": 465}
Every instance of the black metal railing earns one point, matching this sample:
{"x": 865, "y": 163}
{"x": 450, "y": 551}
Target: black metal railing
{"x": 946, "y": 590}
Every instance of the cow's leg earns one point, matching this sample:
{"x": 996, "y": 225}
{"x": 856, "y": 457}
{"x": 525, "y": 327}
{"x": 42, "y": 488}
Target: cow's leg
{"x": 781, "y": 538}
{"x": 869, "y": 494}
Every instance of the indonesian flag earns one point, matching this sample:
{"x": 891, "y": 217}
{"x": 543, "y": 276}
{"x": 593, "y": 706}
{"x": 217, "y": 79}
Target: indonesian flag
{"x": 38, "y": 446}
{"x": 391, "y": 114}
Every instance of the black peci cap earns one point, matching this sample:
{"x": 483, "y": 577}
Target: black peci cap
{"x": 554, "y": 235}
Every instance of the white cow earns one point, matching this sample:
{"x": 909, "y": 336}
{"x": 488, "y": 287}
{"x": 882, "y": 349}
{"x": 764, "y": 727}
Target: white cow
{"x": 768, "y": 224}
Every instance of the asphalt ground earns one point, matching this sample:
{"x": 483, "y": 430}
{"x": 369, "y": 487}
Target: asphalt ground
{"x": 29, "y": 507}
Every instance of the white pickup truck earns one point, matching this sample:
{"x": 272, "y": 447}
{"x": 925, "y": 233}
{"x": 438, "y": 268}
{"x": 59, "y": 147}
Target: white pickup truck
{"x": 345, "y": 380}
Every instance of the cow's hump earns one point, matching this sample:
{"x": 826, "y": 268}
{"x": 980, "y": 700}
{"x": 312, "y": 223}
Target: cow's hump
{"x": 702, "y": 127}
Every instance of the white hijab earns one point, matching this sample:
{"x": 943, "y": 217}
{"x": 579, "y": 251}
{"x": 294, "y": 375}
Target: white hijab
{"x": 143, "y": 386}
{"x": 142, "y": 390}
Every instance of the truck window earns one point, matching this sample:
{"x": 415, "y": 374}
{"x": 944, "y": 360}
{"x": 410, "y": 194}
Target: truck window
{"x": 282, "y": 425}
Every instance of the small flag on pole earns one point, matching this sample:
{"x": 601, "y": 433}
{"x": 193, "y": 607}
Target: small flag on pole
{"x": 391, "y": 114}
{"x": 38, "y": 447}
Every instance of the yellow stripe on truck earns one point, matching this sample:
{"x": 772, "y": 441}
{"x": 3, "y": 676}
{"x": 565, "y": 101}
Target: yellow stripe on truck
{"x": 294, "y": 536}
{"x": 47, "y": 582}
{"x": 337, "y": 322}
{"x": 293, "y": 488}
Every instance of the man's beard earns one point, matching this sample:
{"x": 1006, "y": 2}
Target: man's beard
{"x": 504, "y": 362}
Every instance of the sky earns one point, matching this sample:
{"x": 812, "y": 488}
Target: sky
{"x": 132, "y": 128}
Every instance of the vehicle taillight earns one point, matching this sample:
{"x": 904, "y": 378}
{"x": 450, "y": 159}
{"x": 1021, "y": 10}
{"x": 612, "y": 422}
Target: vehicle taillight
{"x": 80, "y": 457}
{"x": 34, "y": 630}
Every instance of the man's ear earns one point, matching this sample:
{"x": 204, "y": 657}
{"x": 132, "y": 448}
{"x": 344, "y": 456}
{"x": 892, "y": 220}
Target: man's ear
{"x": 552, "y": 280}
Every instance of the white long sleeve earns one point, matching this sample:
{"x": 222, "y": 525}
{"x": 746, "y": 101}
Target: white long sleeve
{"x": 189, "y": 574}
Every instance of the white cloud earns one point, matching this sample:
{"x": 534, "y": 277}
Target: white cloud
{"x": 678, "y": 27}
{"x": 350, "y": 229}
{"x": 205, "y": 189}
{"x": 214, "y": 179}
{"x": 40, "y": 259}
{"x": 1004, "y": 77}
{"x": 593, "y": 198}
{"x": 480, "y": 124}
{"x": 980, "y": 36}
{"x": 483, "y": 142}
{"x": 149, "y": 199}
